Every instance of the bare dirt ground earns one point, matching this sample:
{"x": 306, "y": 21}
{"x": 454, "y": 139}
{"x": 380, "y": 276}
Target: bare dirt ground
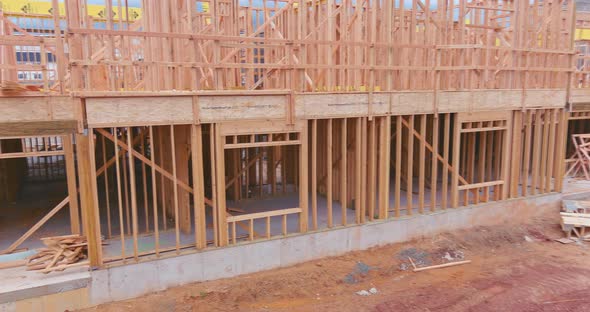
{"x": 514, "y": 268}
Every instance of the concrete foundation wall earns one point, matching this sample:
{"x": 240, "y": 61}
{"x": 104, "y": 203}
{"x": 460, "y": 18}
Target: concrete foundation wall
{"x": 133, "y": 280}
{"x": 129, "y": 281}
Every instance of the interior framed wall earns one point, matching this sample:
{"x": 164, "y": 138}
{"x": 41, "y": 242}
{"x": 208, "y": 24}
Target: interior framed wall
{"x": 233, "y": 141}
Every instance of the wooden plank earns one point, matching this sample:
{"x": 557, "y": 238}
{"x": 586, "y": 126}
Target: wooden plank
{"x": 262, "y": 215}
{"x": 398, "y": 164}
{"x": 552, "y": 151}
{"x": 303, "y": 181}
{"x": 154, "y": 193}
{"x": 329, "y": 173}
{"x": 68, "y": 148}
{"x": 434, "y": 166}
{"x": 358, "y": 164}
{"x": 544, "y": 151}
{"x": 456, "y": 155}
{"x": 38, "y": 128}
{"x": 90, "y": 216}
{"x": 200, "y": 222}
{"x": 507, "y": 146}
{"x": 120, "y": 197}
{"x": 421, "y": 164}
{"x": 133, "y": 189}
{"x": 371, "y": 168}
{"x": 314, "y": 174}
{"x": 527, "y": 152}
{"x": 445, "y": 169}
{"x": 536, "y": 153}
{"x": 343, "y": 169}
{"x": 410, "y": 167}
{"x": 220, "y": 180}
{"x": 384, "y": 161}
{"x": 516, "y": 154}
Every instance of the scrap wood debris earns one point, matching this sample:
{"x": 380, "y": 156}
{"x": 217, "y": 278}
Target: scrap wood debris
{"x": 439, "y": 266}
{"x": 61, "y": 252}
{"x": 575, "y": 217}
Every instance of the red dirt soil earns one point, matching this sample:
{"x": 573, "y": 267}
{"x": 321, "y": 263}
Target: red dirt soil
{"x": 507, "y": 273}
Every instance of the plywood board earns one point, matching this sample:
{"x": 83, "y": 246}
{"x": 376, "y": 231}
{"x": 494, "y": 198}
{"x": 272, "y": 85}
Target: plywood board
{"x": 409, "y": 103}
{"x": 332, "y": 105}
{"x": 580, "y": 96}
{"x": 223, "y": 108}
{"x": 103, "y": 112}
{"x": 544, "y": 98}
{"x": 36, "y": 109}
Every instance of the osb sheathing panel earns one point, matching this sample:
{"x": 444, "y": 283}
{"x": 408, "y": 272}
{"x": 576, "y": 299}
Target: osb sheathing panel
{"x": 36, "y": 109}
{"x": 580, "y": 96}
{"x": 331, "y": 105}
{"x": 409, "y": 103}
{"x": 462, "y": 101}
{"x": 544, "y": 98}
{"x": 223, "y": 108}
{"x": 139, "y": 111}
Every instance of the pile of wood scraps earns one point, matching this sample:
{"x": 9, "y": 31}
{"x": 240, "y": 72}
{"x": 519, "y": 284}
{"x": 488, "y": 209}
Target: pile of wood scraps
{"x": 575, "y": 217}
{"x": 61, "y": 253}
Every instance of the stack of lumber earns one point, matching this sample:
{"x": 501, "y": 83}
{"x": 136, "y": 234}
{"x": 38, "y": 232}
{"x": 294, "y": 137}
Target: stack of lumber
{"x": 575, "y": 217}
{"x": 61, "y": 252}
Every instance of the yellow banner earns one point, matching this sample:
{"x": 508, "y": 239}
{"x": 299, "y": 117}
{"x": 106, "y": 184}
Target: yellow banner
{"x": 44, "y": 7}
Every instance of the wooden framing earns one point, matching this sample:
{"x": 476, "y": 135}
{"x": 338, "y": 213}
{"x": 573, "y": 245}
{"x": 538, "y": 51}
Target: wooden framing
{"x": 387, "y": 108}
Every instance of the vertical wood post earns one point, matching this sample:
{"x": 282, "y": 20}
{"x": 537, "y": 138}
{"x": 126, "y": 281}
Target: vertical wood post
{"x": 88, "y": 197}
{"x": 456, "y": 155}
{"x": 303, "y": 180}
{"x": 384, "y": 134}
{"x": 71, "y": 180}
{"x": 198, "y": 186}
{"x": 220, "y": 180}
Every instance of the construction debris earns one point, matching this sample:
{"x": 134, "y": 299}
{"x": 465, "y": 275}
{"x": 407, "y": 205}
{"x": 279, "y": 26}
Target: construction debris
{"x": 439, "y": 266}
{"x": 565, "y": 240}
{"x": 575, "y": 217}
{"x": 61, "y": 252}
{"x": 364, "y": 293}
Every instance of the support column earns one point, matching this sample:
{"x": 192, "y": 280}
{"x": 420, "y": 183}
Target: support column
{"x": 303, "y": 182}
{"x": 182, "y": 136}
{"x": 456, "y": 155}
{"x": 198, "y": 186}
{"x": 220, "y": 180}
{"x": 384, "y": 156}
{"x": 516, "y": 154}
{"x": 89, "y": 197}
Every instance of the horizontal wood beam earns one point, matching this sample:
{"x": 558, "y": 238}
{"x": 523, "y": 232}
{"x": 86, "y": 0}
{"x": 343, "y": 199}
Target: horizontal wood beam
{"x": 37, "y": 128}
